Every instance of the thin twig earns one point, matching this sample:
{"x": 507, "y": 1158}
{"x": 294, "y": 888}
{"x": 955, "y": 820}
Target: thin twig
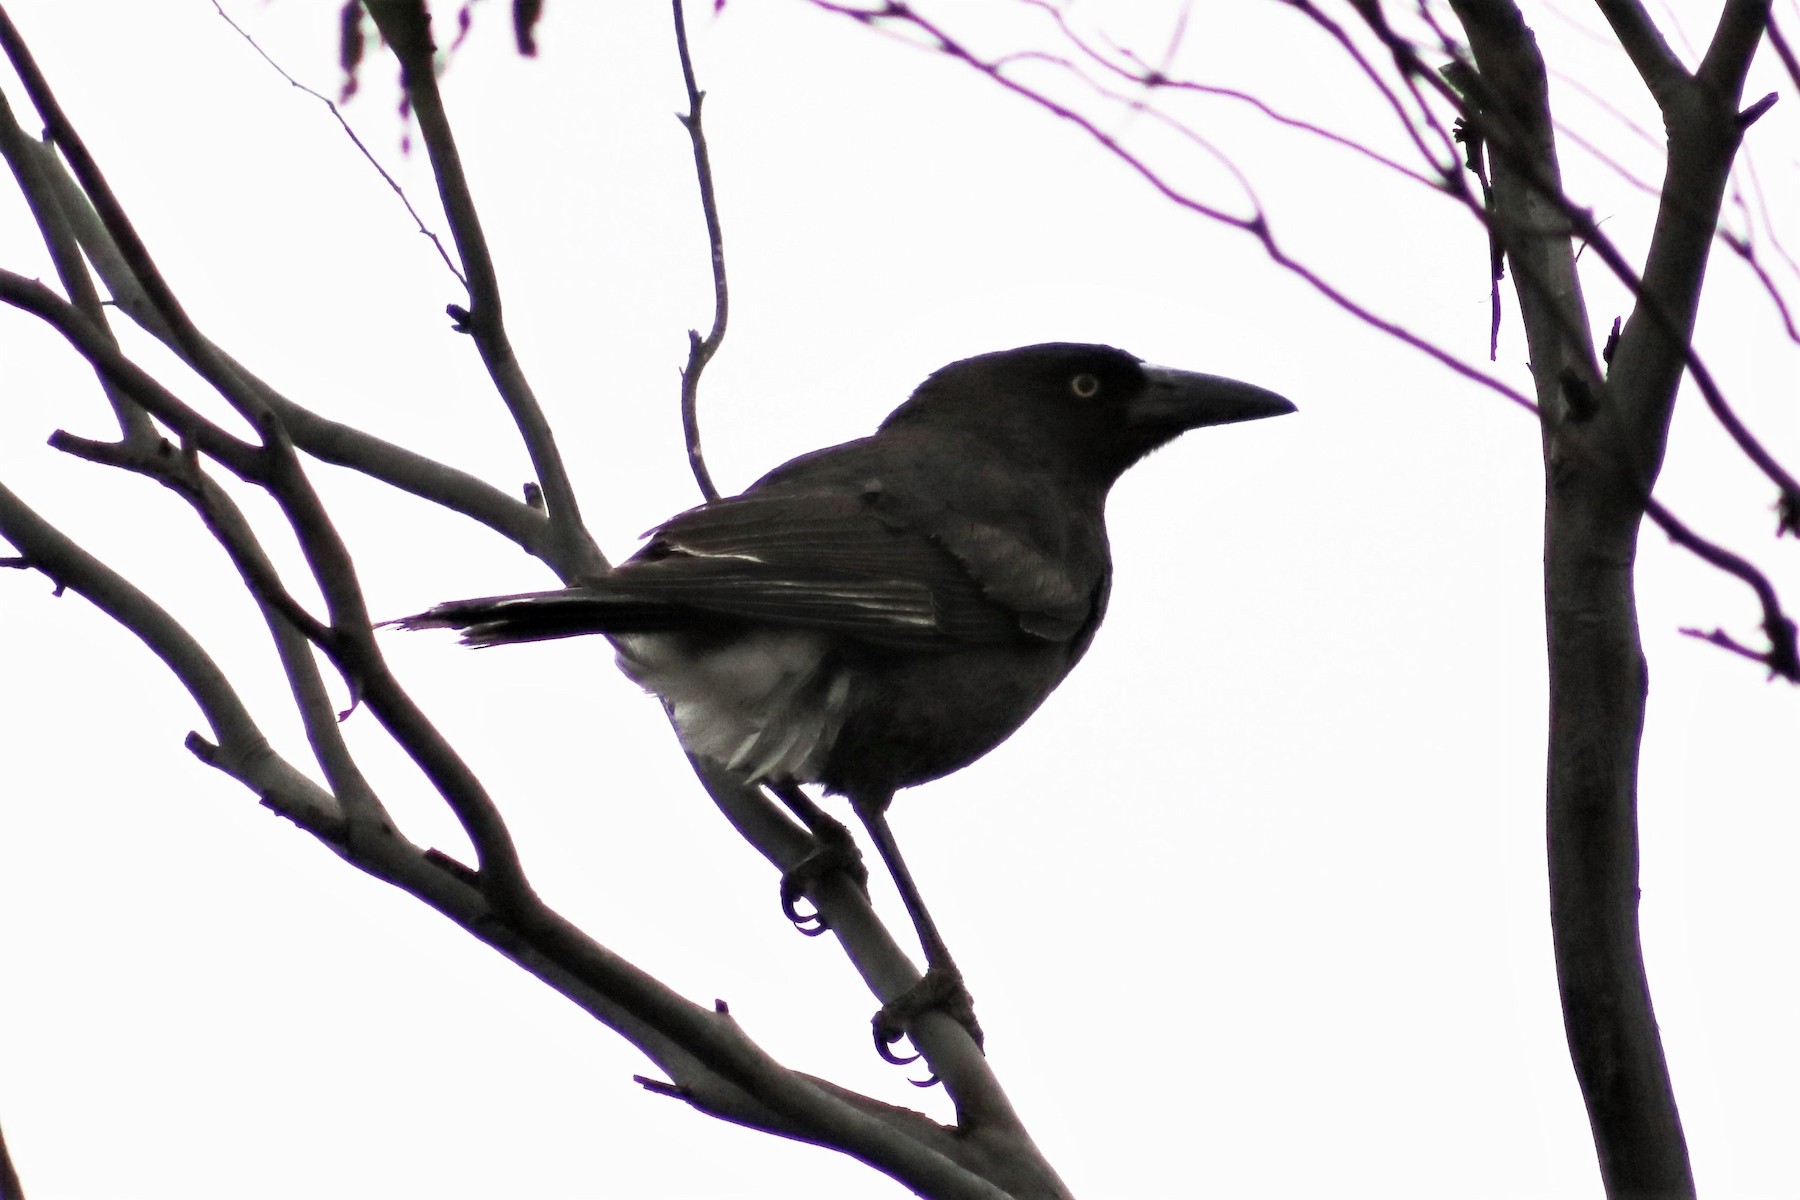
{"x": 1784, "y": 51}
{"x": 1783, "y": 657}
{"x": 350, "y": 133}
{"x": 1256, "y": 225}
{"x": 700, "y": 349}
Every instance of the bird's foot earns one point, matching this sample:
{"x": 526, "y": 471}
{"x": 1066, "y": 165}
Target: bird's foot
{"x": 834, "y": 850}
{"x": 941, "y": 990}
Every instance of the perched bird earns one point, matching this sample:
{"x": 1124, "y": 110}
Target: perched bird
{"x": 874, "y": 615}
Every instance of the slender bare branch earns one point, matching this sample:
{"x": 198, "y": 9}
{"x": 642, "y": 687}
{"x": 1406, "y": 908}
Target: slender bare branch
{"x": 361, "y": 148}
{"x": 325, "y": 439}
{"x": 1782, "y": 657}
{"x": 349, "y": 638}
{"x": 182, "y": 473}
{"x": 1256, "y": 225}
{"x": 700, "y": 349}
{"x": 49, "y": 550}
{"x": 406, "y": 26}
{"x": 1785, "y": 52}
{"x": 130, "y": 246}
{"x": 37, "y": 170}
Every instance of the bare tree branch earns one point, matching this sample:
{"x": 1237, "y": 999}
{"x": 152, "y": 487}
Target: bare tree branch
{"x": 338, "y": 116}
{"x": 1784, "y": 51}
{"x": 1256, "y": 225}
{"x": 181, "y": 472}
{"x": 37, "y": 170}
{"x": 407, "y": 28}
{"x": 328, "y": 440}
{"x": 1783, "y": 656}
{"x": 47, "y": 549}
{"x": 700, "y": 349}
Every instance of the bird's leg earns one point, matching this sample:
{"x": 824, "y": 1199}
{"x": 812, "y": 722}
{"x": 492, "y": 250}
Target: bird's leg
{"x": 942, "y": 988}
{"x": 833, "y": 850}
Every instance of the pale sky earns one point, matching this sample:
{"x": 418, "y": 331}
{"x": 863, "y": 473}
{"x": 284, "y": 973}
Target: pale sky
{"x": 1253, "y": 907}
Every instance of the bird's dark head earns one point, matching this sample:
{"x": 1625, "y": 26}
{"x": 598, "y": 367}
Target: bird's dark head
{"x": 1087, "y": 410}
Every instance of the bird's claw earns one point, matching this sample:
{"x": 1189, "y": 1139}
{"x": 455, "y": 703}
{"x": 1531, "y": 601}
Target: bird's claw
{"x": 833, "y": 850}
{"x": 941, "y": 990}
{"x": 793, "y": 890}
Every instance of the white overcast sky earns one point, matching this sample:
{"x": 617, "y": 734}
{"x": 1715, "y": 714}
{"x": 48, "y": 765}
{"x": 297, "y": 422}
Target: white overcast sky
{"x": 1253, "y": 907}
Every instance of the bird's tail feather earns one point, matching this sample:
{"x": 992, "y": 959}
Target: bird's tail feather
{"x": 543, "y": 616}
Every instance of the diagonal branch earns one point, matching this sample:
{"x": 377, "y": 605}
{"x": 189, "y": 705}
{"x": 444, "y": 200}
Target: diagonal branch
{"x": 181, "y": 473}
{"x": 349, "y": 639}
{"x": 406, "y": 26}
{"x": 368, "y": 156}
{"x": 1783, "y": 655}
{"x": 720, "y": 1069}
{"x": 38, "y": 172}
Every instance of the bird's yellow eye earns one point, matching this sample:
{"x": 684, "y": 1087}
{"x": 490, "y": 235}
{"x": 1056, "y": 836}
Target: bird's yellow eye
{"x": 1085, "y": 386}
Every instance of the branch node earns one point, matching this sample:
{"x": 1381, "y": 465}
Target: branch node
{"x": 202, "y": 749}
{"x": 1579, "y": 396}
{"x": 1751, "y": 115}
{"x": 453, "y": 867}
{"x": 661, "y": 1088}
{"x": 24, "y": 562}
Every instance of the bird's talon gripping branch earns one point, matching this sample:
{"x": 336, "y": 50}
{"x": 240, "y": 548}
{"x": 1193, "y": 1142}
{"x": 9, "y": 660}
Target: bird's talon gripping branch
{"x": 834, "y": 851}
{"x": 886, "y": 1036}
{"x": 941, "y": 990}
{"x": 813, "y": 923}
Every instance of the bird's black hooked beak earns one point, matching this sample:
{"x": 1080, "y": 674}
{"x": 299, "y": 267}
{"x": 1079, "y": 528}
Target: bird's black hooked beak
{"x": 1181, "y": 400}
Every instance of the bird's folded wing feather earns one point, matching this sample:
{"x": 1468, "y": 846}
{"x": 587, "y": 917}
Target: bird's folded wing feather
{"x": 849, "y": 563}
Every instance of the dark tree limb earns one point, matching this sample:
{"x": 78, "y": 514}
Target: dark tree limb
{"x": 1598, "y": 681}
{"x": 1600, "y": 466}
{"x": 10, "y": 1188}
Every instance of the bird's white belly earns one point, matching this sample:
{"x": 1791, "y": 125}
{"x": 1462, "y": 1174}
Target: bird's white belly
{"x": 761, "y": 703}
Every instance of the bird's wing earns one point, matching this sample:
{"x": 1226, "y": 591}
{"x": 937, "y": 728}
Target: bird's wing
{"x": 1044, "y": 595}
{"x": 853, "y": 563}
